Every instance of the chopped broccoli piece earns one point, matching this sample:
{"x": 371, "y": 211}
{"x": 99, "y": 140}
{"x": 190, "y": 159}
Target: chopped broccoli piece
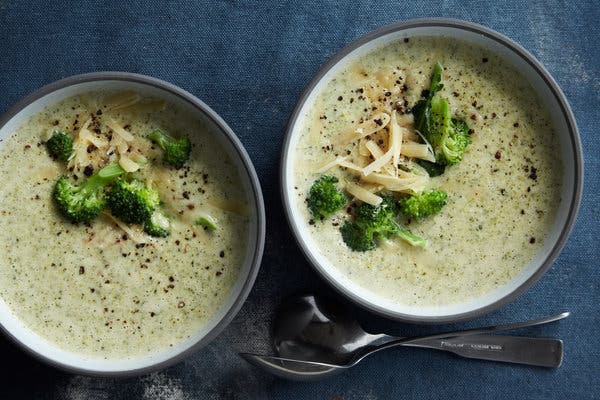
{"x": 60, "y": 146}
{"x": 84, "y": 203}
{"x": 176, "y": 151}
{"x": 448, "y": 136}
{"x": 424, "y": 204}
{"x": 377, "y": 219}
{"x": 422, "y": 109}
{"x": 132, "y": 201}
{"x": 433, "y": 169}
{"x": 157, "y": 224}
{"x": 409, "y": 237}
{"x": 373, "y": 222}
{"x": 357, "y": 238}
{"x": 207, "y": 221}
{"x": 324, "y": 198}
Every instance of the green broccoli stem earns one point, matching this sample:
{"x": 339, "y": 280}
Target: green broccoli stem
{"x": 410, "y": 237}
{"x": 102, "y": 178}
{"x": 436, "y": 79}
{"x": 160, "y": 138}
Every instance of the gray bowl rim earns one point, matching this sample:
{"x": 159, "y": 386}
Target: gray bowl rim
{"x": 575, "y": 199}
{"x": 256, "y": 193}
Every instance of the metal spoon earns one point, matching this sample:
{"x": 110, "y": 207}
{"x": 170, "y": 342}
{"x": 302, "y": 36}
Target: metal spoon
{"x": 316, "y": 337}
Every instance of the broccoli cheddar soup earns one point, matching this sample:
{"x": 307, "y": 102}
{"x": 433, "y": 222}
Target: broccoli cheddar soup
{"x": 427, "y": 171}
{"x": 123, "y": 224}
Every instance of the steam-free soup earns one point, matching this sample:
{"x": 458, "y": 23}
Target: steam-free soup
{"x": 104, "y": 288}
{"x": 502, "y": 196}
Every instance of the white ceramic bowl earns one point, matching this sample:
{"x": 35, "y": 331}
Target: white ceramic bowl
{"x": 223, "y": 135}
{"x": 572, "y": 180}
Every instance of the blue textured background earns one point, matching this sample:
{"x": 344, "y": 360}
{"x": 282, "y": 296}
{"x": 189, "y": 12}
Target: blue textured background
{"x": 249, "y": 61}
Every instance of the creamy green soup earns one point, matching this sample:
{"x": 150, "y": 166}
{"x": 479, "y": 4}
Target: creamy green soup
{"x": 105, "y": 289}
{"x": 502, "y": 196}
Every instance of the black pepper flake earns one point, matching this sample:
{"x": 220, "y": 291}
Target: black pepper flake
{"x": 311, "y": 221}
{"x": 533, "y": 174}
{"x": 484, "y": 59}
{"x": 171, "y": 279}
{"x": 177, "y": 242}
{"x": 516, "y": 124}
{"x": 522, "y": 212}
{"x": 502, "y": 191}
{"x": 81, "y": 270}
{"x": 532, "y": 240}
{"x": 152, "y": 314}
{"x": 222, "y": 254}
{"x": 55, "y": 122}
{"x": 99, "y": 112}
{"x": 186, "y": 195}
{"x": 181, "y": 304}
{"x": 379, "y": 122}
{"x": 498, "y": 155}
{"x": 88, "y": 170}
{"x": 340, "y": 98}
{"x": 218, "y": 273}
{"x": 405, "y": 40}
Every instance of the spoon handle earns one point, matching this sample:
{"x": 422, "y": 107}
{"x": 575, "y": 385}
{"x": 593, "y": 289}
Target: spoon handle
{"x": 542, "y": 352}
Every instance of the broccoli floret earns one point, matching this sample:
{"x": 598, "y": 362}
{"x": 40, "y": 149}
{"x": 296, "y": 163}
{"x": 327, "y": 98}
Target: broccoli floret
{"x": 84, "y": 203}
{"x": 132, "y": 201}
{"x": 60, "y": 146}
{"x": 207, "y": 221}
{"x": 176, "y": 151}
{"x": 324, "y": 198}
{"x": 376, "y": 222}
{"x": 448, "y": 136}
{"x": 377, "y": 219}
{"x": 424, "y": 204}
{"x": 357, "y": 238}
{"x": 157, "y": 224}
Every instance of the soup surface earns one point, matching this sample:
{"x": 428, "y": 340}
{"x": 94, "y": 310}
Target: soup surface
{"x": 106, "y": 289}
{"x": 502, "y": 196}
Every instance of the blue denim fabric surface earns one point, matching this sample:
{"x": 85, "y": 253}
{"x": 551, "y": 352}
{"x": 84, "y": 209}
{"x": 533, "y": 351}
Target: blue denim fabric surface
{"x": 249, "y": 61}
